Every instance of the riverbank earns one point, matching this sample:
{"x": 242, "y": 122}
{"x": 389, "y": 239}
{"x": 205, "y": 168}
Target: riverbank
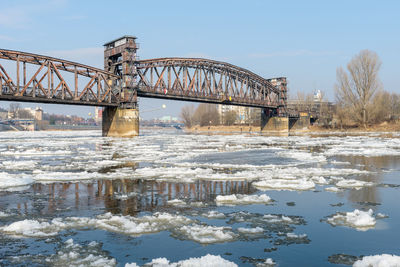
{"x": 383, "y": 127}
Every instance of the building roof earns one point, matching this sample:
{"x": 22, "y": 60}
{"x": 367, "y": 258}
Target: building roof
{"x": 125, "y": 36}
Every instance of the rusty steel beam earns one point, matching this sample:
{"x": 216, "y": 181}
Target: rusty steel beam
{"x": 203, "y": 80}
{"x": 188, "y": 79}
{"x": 101, "y": 90}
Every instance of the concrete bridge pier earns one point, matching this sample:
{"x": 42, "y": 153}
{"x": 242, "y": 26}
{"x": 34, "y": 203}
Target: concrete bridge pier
{"x": 120, "y": 122}
{"x": 272, "y": 123}
{"x": 299, "y": 123}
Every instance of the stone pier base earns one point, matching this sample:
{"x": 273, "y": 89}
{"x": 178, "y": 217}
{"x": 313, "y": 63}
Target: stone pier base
{"x": 299, "y": 124}
{"x": 274, "y": 124}
{"x": 120, "y": 122}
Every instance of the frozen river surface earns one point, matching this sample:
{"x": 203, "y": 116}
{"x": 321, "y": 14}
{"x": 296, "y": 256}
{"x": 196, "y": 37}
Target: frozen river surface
{"x": 171, "y": 199}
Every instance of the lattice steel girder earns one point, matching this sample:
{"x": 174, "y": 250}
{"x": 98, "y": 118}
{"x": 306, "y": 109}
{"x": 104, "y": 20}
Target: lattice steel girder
{"x": 50, "y": 83}
{"x": 204, "y": 80}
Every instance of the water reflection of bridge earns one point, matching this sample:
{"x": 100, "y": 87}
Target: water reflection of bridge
{"x": 127, "y": 196}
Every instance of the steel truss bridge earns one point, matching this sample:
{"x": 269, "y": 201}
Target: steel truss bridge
{"x": 37, "y": 78}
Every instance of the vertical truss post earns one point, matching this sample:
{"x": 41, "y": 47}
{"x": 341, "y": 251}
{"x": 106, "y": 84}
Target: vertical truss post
{"x": 18, "y": 73}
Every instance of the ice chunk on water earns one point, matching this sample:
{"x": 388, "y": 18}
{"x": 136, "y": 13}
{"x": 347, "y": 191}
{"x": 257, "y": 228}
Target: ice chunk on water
{"x": 255, "y": 230}
{"x": 206, "y": 234}
{"x": 319, "y": 180}
{"x": 4, "y": 214}
{"x": 18, "y": 165}
{"x": 293, "y": 235}
{"x": 176, "y": 202}
{"x": 213, "y": 214}
{"x": 242, "y": 199}
{"x": 360, "y": 220}
{"x": 267, "y": 263}
{"x": 351, "y": 183}
{"x": 384, "y": 260}
{"x": 271, "y": 218}
{"x": 205, "y": 261}
{"x": 32, "y": 228}
{"x": 333, "y": 189}
{"x": 121, "y": 224}
{"x": 285, "y": 184}
{"x": 76, "y": 255}
{"x": 9, "y": 181}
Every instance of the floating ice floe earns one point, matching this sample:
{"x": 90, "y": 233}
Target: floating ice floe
{"x": 384, "y": 260}
{"x": 205, "y": 261}
{"x": 333, "y": 189}
{"x": 360, "y": 220}
{"x": 256, "y": 230}
{"x": 271, "y": 218}
{"x": 40, "y": 175}
{"x": 197, "y": 204}
{"x": 213, "y": 214}
{"x": 18, "y": 165}
{"x": 293, "y": 235}
{"x": 239, "y": 199}
{"x": 9, "y": 181}
{"x": 351, "y": 183}
{"x": 285, "y": 184}
{"x": 206, "y": 234}
{"x": 319, "y": 180}
{"x": 76, "y": 255}
{"x": 121, "y": 224}
{"x": 267, "y": 263}
{"x": 4, "y": 214}
{"x": 176, "y": 202}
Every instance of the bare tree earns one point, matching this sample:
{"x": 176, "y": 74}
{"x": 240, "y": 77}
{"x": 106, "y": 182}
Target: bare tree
{"x": 187, "y": 115}
{"x": 380, "y": 109}
{"x": 14, "y": 107}
{"x": 24, "y": 114}
{"x": 230, "y": 117}
{"x": 206, "y": 115}
{"x": 357, "y": 88}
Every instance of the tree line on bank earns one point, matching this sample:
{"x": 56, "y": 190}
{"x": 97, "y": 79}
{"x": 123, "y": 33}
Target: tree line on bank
{"x": 206, "y": 115}
{"x": 360, "y": 101}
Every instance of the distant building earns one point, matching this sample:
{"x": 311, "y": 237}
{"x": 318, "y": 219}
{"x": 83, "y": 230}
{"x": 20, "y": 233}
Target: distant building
{"x": 318, "y": 95}
{"x": 168, "y": 119}
{"x": 98, "y": 114}
{"x": 3, "y": 115}
{"x": 244, "y": 115}
{"x": 38, "y": 115}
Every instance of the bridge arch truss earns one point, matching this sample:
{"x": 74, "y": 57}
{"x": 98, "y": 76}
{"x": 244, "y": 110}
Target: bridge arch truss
{"x": 203, "y": 80}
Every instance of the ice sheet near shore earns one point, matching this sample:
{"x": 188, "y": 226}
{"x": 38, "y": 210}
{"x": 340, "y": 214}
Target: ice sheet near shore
{"x": 384, "y": 260}
{"x": 360, "y": 220}
{"x": 242, "y": 199}
{"x": 205, "y": 261}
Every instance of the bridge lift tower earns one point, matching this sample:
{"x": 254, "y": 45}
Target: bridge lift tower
{"x": 119, "y": 58}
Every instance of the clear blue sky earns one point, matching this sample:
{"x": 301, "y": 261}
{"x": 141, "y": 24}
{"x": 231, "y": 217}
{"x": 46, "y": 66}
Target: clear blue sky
{"x": 303, "y": 40}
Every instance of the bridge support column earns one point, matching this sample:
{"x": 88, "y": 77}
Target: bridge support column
{"x": 273, "y": 124}
{"x": 299, "y": 123}
{"x": 120, "y": 122}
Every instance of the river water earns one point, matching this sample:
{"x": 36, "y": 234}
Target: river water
{"x": 166, "y": 197}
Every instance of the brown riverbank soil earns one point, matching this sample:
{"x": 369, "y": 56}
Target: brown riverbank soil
{"x": 383, "y": 127}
